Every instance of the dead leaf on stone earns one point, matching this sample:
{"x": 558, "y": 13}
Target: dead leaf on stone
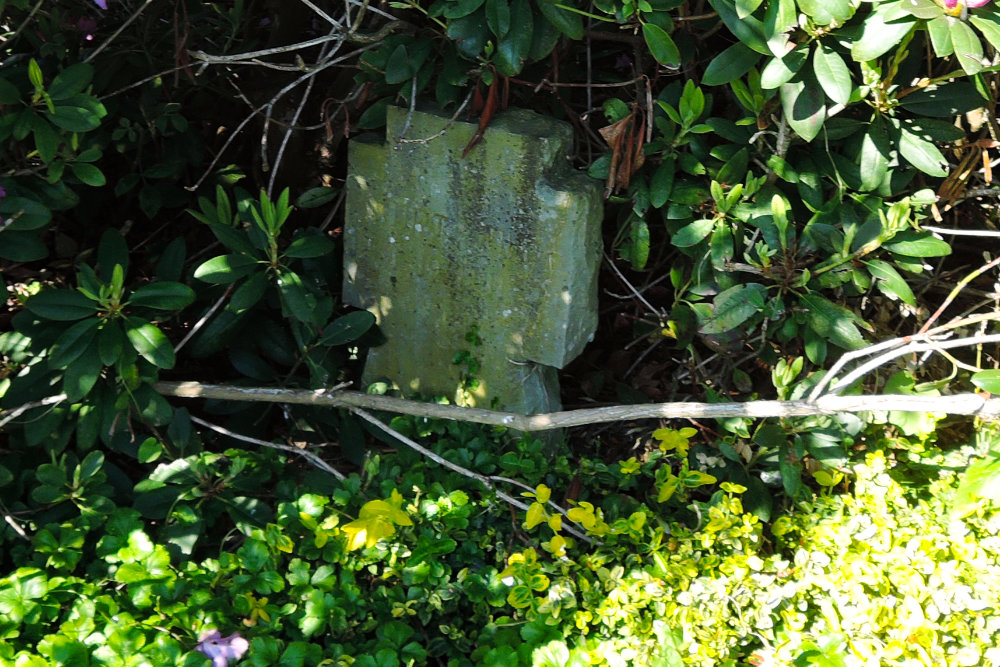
{"x": 626, "y": 138}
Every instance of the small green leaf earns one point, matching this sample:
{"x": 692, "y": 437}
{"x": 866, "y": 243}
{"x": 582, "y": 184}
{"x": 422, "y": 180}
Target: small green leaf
{"x": 295, "y": 298}
{"x": 747, "y": 29}
{"x": 397, "y": 68}
{"x": 890, "y": 282}
{"x": 74, "y": 118}
{"x": 315, "y": 197}
{"x": 225, "y": 269}
{"x": 88, "y": 174}
{"x": 347, "y": 328}
{"x": 311, "y": 245}
{"x": 661, "y": 45}
{"x": 692, "y": 234}
{"x": 61, "y": 305}
{"x": 149, "y": 342}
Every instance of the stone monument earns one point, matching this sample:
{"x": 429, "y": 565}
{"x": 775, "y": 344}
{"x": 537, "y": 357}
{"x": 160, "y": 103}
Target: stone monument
{"x": 481, "y": 267}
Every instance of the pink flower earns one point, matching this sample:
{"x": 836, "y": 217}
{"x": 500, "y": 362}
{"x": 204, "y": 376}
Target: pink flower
{"x": 103, "y": 4}
{"x": 220, "y": 649}
{"x": 951, "y": 4}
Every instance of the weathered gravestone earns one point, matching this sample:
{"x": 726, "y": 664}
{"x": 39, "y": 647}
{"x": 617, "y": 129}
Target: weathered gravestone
{"x": 495, "y": 254}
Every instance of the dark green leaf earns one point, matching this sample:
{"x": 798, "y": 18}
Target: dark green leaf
{"x": 636, "y": 248}
{"x": 249, "y": 293}
{"x": 397, "y": 68}
{"x": 163, "y": 295}
{"x": 693, "y": 233}
{"x": 567, "y": 22}
{"x": 81, "y": 376}
{"x": 297, "y": 301}
{"x": 112, "y": 251}
{"x": 170, "y": 265}
{"x": 662, "y": 183}
{"x": 875, "y": 153}
{"x": 459, "y": 8}
{"x": 834, "y": 323}
{"x": 312, "y": 245}
{"x": 110, "y": 342}
{"x": 890, "y": 282}
{"x": 316, "y": 197}
{"x": 74, "y": 119}
{"x": 731, "y": 64}
{"x": 149, "y": 342}
{"x": 347, "y": 328}
{"x": 470, "y": 34}
{"x": 8, "y": 92}
{"x": 62, "y": 305}
{"x": 225, "y": 269}
{"x": 88, "y": 174}
{"x": 72, "y": 342}
{"x": 47, "y": 140}
{"x": 71, "y": 81}
{"x": 26, "y": 214}
{"x": 943, "y": 101}
{"x": 498, "y": 16}
{"x": 512, "y": 51}
{"x": 22, "y": 246}
{"x": 735, "y": 306}
{"x": 804, "y": 107}
{"x": 747, "y": 29}
{"x": 661, "y": 46}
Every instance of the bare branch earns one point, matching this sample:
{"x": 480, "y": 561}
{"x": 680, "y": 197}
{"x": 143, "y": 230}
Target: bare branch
{"x": 958, "y": 404}
{"x": 9, "y": 415}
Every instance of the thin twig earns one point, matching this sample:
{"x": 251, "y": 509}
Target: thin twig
{"x": 959, "y": 286}
{"x": 7, "y": 416}
{"x": 121, "y": 29}
{"x": 10, "y": 40}
{"x": 304, "y": 453}
{"x": 204, "y": 319}
{"x": 984, "y": 233}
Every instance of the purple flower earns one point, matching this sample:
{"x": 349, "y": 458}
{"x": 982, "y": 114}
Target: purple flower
{"x": 220, "y": 649}
{"x": 3, "y": 193}
{"x": 103, "y": 4}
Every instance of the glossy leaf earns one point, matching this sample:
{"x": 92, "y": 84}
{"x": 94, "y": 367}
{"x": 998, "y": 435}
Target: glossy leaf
{"x": 225, "y": 269}
{"x": 875, "y": 153}
{"x": 890, "y": 282}
{"x": 879, "y": 36}
{"x": 310, "y": 245}
{"x": 731, "y": 64}
{"x": 512, "y": 51}
{"x": 968, "y": 48}
{"x": 747, "y": 29}
{"x": 347, "y": 328}
{"x": 832, "y": 74}
{"x": 163, "y": 295}
{"x": 921, "y": 153}
{"x": 661, "y": 45}
{"x": 71, "y": 81}
{"x": 73, "y": 342}
{"x": 825, "y": 12}
{"x": 567, "y": 22}
{"x": 943, "y": 101}
{"x": 294, "y": 296}
{"x": 62, "y": 305}
{"x": 780, "y": 71}
{"x": 804, "y": 107}
{"x": 81, "y": 376}
{"x": 149, "y": 342}
{"x": 918, "y": 244}
{"x": 693, "y": 233}
{"x": 23, "y": 214}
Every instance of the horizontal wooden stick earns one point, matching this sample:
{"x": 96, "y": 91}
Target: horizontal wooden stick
{"x": 958, "y": 404}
